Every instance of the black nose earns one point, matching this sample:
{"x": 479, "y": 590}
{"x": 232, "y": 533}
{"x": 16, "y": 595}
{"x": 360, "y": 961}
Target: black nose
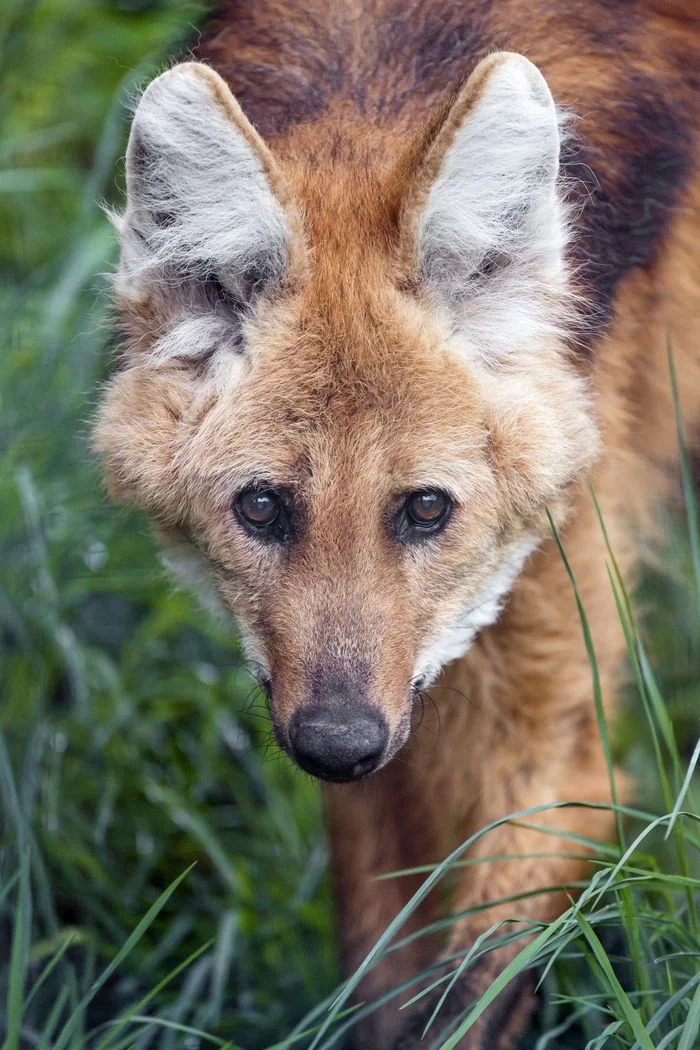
{"x": 337, "y": 745}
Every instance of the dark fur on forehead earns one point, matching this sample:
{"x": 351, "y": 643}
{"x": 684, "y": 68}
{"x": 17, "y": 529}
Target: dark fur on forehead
{"x": 625, "y": 208}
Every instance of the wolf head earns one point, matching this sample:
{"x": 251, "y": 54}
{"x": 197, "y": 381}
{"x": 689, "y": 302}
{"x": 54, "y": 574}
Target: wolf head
{"x": 346, "y": 396}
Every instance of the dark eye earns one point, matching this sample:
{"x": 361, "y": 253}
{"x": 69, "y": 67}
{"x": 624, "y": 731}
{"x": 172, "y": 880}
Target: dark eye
{"x": 260, "y": 509}
{"x": 422, "y": 513}
{"x": 427, "y": 509}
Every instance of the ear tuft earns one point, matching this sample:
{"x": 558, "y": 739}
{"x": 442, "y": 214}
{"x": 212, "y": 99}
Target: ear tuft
{"x": 485, "y": 229}
{"x": 208, "y": 222}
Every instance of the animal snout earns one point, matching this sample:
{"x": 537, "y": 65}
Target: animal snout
{"x": 337, "y": 745}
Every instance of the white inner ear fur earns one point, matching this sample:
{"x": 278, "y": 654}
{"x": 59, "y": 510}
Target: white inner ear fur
{"x": 492, "y": 231}
{"x": 200, "y": 207}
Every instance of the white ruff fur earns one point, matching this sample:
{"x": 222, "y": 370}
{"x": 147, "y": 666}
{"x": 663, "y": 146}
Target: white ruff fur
{"x": 188, "y": 565}
{"x": 193, "y": 570}
{"x": 454, "y": 639}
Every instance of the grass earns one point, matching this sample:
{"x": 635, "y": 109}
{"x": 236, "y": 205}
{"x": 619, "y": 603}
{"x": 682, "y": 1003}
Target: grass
{"x": 163, "y": 872}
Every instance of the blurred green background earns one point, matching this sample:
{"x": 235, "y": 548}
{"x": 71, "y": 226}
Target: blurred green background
{"x": 133, "y": 743}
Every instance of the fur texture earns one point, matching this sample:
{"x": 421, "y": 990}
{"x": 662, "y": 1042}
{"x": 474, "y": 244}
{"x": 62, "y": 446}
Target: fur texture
{"x": 491, "y": 225}
{"x": 453, "y": 638}
{"x": 418, "y": 283}
{"x": 204, "y": 234}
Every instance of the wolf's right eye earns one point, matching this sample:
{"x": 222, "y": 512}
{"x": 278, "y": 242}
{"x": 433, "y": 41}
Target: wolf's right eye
{"x": 423, "y": 514}
{"x": 262, "y": 511}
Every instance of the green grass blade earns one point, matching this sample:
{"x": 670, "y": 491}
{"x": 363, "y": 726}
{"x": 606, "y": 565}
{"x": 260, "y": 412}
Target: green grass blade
{"x": 692, "y": 1024}
{"x": 603, "y": 1039}
{"x": 631, "y": 1015}
{"x": 75, "y": 1019}
{"x": 597, "y": 690}
{"x": 509, "y": 972}
{"x": 18, "y": 959}
{"x": 668, "y": 1005}
{"x": 466, "y": 961}
{"x": 126, "y": 1018}
{"x": 50, "y": 967}
{"x": 54, "y": 1017}
{"x": 684, "y": 788}
{"x": 9, "y": 886}
{"x": 175, "y": 1026}
{"x": 669, "y": 1039}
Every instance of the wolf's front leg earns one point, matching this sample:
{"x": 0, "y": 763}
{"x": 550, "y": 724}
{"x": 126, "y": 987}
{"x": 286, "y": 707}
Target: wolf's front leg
{"x": 412, "y": 814}
{"x": 520, "y": 880}
{"x": 378, "y": 826}
{"x": 391, "y": 822}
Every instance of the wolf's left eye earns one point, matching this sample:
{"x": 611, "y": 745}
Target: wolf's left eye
{"x": 262, "y": 511}
{"x": 423, "y": 512}
{"x": 426, "y": 509}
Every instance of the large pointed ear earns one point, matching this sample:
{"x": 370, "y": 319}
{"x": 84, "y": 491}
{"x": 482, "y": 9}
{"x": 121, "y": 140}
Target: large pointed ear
{"x": 484, "y": 226}
{"x": 210, "y": 225}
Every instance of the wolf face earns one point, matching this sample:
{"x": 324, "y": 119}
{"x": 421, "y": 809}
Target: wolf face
{"x": 347, "y": 396}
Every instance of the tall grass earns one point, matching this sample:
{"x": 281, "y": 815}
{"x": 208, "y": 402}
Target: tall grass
{"x": 163, "y": 875}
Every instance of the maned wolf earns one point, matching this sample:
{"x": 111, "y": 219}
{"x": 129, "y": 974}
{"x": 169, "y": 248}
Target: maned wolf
{"x": 405, "y": 294}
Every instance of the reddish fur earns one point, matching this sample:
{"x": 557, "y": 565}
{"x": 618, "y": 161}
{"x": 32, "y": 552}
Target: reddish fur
{"x": 350, "y": 375}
